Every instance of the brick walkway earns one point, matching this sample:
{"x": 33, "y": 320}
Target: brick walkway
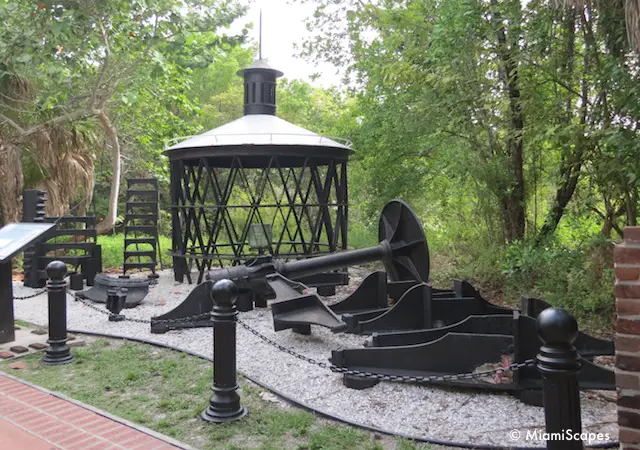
{"x": 31, "y": 419}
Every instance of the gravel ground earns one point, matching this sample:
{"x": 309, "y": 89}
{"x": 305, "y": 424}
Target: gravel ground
{"x": 447, "y": 415}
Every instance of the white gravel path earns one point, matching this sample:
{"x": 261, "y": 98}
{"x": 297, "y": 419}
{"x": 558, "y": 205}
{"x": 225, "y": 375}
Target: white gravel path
{"x": 422, "y": 412}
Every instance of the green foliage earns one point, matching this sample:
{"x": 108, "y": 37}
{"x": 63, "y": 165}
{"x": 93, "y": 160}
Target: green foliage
{"x": 472, "y": 112}
{"x": 113, "y": 248}
{"x": 447, "y": 91}
{"x": 361, "y": 236}
{"x": 579, "y": 278}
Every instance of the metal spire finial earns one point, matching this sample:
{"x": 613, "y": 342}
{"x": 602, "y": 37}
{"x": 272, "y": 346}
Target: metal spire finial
{"x": 260, "y": 37}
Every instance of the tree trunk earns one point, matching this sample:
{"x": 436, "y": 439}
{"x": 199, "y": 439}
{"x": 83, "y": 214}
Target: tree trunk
{"x": 11, "y": 183}
{"x": 109, "y": 221}
{"x": 571, "y": 164}
{"x": 570, "y": 171}
{"x": 514, "y": 202}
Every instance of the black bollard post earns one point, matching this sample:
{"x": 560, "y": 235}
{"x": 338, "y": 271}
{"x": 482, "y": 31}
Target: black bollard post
{"x": 224, "y": 404}
{"x": 58, "y": 351}
{"x": 559, "y": 364}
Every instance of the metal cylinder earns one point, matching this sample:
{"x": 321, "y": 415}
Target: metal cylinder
{"x": 559, "y": 365}
{"x": 58, "y": 351}
{"x": 224, "y": 404}
{"x": 76, "y": 281}
{"x": 336, "y": 261}
{"x": 115, "y": 302}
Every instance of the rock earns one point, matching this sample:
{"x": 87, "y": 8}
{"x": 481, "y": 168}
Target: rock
{"x": 38, "y": 346}
{"x": 77, "y": 343}
{"x": 19, "y": 349}
{"x": 39, "y": 331}
{"x": 18, "y": 365}
{"x": 6, "y": 355}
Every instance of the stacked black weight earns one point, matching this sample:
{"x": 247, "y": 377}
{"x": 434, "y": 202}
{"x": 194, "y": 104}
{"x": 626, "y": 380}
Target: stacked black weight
{"x": 141, "y": 225}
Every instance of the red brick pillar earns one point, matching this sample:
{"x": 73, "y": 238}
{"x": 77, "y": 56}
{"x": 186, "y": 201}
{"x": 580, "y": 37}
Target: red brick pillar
{"x": 627, "y": 267}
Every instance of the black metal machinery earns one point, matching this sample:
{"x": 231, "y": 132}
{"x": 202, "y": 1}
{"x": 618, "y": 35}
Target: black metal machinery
{"x": 136, "y": 289}
{"x": 75, "y": 236}
{"x": 258, "y": 185}
{"x": 402, "y": 248}
{"x": 463, "y": 347}
{"x": 427, "y": 331}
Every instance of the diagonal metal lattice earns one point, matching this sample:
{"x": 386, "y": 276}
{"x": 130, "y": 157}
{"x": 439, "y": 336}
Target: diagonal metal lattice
{"x": 216, "y": 203}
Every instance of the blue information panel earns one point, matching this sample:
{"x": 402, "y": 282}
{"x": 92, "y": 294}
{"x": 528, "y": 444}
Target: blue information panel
{"x": 15, "y": 237}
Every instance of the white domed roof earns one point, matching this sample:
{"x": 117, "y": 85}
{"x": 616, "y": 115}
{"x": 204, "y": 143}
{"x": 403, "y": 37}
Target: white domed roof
{"x": 259, "y": 129}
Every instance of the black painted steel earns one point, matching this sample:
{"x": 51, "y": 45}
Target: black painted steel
{"x": 137, "y": 289}
{"x": 491, "y": 339}
{"x": 7, "y": 333}
{"x": 451, "y": 354}
{"x": 403, "y": 250}
{"x": 298, "y": 309}
{"x": 559, "y": 364}
{"x": 197, "y": 302}
{"x": 33, "y": 210}
{"x": 116, "y": 299}
{"x": 258, "y": 172}
{"x": 224, "y": 404}
{"x": 303, "y": 199}
{"x": 72, "y": 233}
{"x": 76, "y": 281}
{"x": 485, "y": 324}
{"x": 58, "y": 351}
{"x": 75, "y": 234}
{"x": 370, "y": 295}
{"x": 260, "y": 88}
{"x": 423, "y": 307}
{"x": 141, "y": 225}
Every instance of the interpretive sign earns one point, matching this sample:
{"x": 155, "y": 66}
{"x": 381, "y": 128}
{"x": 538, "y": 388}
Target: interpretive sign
{"x": 14, "y": 238}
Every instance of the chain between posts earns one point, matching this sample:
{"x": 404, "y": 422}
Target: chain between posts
{"x": 35, "y": 294}
{"x": 331, "y": 367}
{"x": 145, "y": 321}
{"x": 387, "y": 377}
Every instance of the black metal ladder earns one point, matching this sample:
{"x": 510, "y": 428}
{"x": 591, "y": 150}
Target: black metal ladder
{"x": 141, "y": 225}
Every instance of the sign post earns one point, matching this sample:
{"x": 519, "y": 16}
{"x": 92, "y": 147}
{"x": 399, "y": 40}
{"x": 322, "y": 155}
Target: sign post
{"x": 14, "y": 238}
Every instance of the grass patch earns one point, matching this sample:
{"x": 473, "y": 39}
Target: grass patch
{"x": 167, "y": 390}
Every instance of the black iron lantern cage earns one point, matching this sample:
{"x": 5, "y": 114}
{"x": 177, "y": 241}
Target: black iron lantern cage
{"x": 256, "y": 185}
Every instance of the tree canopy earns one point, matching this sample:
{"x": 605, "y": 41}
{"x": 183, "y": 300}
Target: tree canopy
{"x": 511, "y": 127}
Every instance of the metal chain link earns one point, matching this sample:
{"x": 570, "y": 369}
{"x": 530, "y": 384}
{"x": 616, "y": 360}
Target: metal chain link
{"x": 35, "y": 294}
{"x": 331, "y": 367}
{"x": 387, "y": 377}
{"x": 132, "y": 319}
